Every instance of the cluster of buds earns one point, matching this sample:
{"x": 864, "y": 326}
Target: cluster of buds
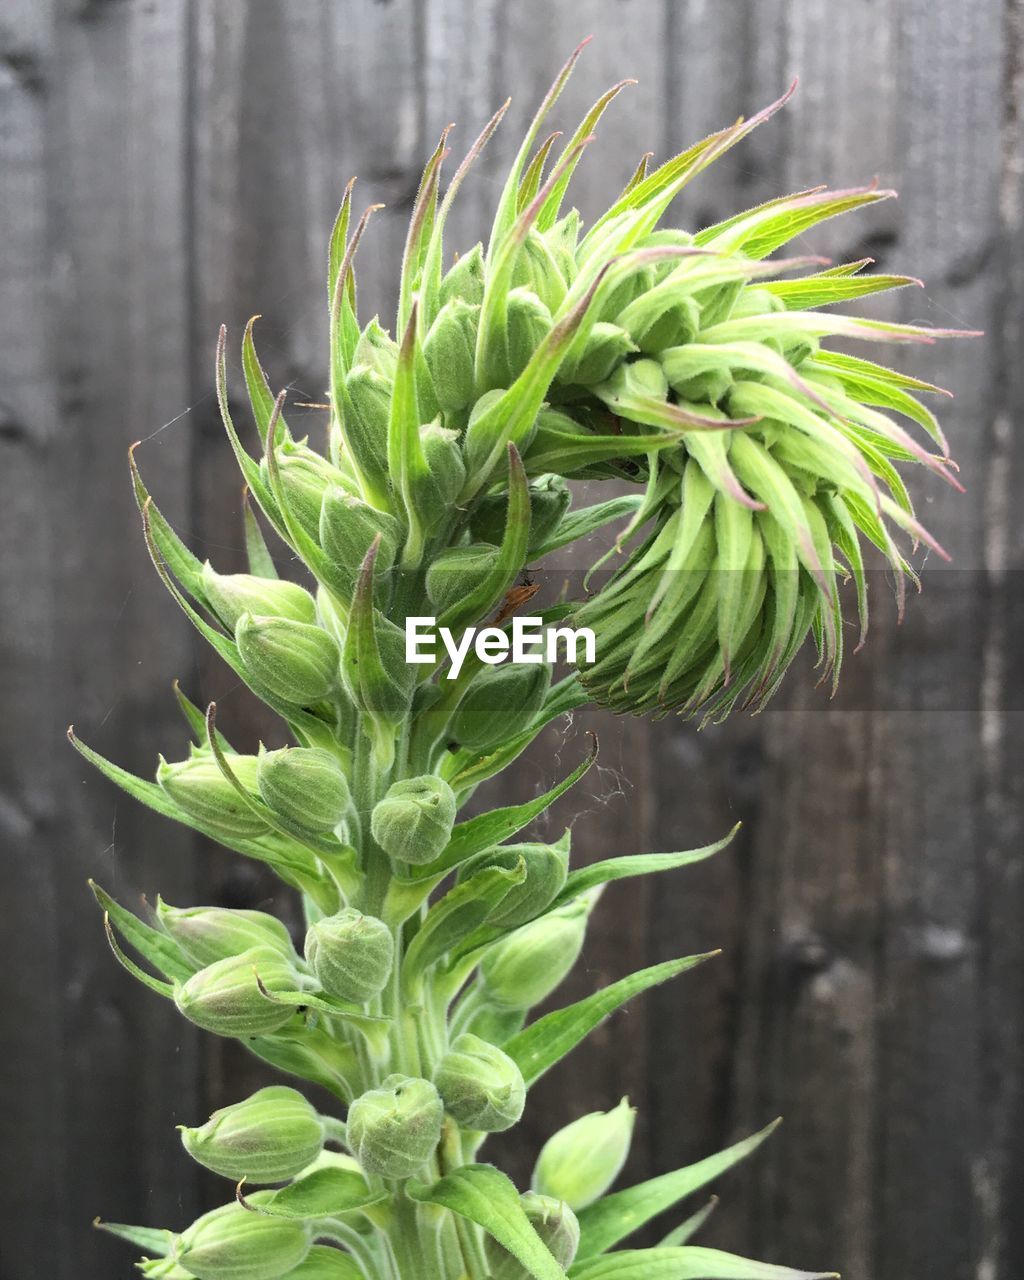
{"x": 691, "y": 366}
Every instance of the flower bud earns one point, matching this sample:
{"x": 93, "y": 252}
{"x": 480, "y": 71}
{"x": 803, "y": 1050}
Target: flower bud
{"x": 524, "y": 968}
{"x": 550, "y": 499}
{"x": 163, "y": 1269}
{"x": 377, "y": 349}
{"x": 457, "y": 572}
{"x": 547, "y": 868}
{"x": 394, "y": 1129}
{"x": 483, "y": 435}
{"x": 537, "y": 271}
{"x": 288, "y": 661}
{"x": 466, "y": 278}
{"x": 527, "y": 323}
{"x": 639, "y": 378}
{"x": 225, "y": 997}
{"x": 482, "y": 1087}
{"x": 323, "y": 1262}
{"x": 201, "y": 791}
{"x": 501, "y": 702}
{"x": 606, "y": 347}
{"x": 269, "y": 1137}
{"x": 208, "y": 934}
{"x": 580, "y": 1162}
{"x": 305, "y": 785}
{"x": 305, "y": 477}
{"x": 232, "y": 594}
{"x": 351, "y": 955}
{"x": 554, "y": 1222}
{"x": 365, "y": 414}
{"x": 234, "y": 1243}
{"x": 348, "y": 526}
{"x": 414, "y": 821}
{"x": 443, "y": 454}
{"x": 450, "y": 352}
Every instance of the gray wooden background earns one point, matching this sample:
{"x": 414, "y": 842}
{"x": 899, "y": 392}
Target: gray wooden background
{"x": 171, "y": 164}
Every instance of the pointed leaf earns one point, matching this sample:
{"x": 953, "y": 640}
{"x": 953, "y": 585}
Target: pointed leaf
{"x": 325, "y": 1193}
{"x": 689, "y": 1263}
{"x": 642, "y": 864}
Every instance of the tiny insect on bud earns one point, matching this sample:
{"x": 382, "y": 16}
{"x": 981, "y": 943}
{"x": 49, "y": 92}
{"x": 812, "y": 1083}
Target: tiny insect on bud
{"x": 414, "y": 820}
{"x": 553, "y": 1221}
{"x": 225, "y": 997}
{"x": 201, "y": 791}
{"x": 481, "y": 1086}
{"x": 580, "y": 1162}
{"x": 288, "y": 661}
{"x": 457, "y": 573}
{"x": 271, "y": 1136}
{"x": 348, "y": 526}
{"x": 351, "y": 954}
{"x": 546, "y": 866}
{"x": 208, "y": 934}
{"x": 501, "y": 702}
{"x": 305, "y": 785}
{"x": 235, "y": 1243}
{"x": 232, "y": 594}
{"x": 450, "y": 352}
{"x": 465, "y": 280}
{"x": 393, "y": 1130}
{"x": 524, "y": 968}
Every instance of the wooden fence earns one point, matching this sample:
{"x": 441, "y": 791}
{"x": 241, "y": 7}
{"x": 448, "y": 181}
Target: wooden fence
{"x": 168, "y": 165}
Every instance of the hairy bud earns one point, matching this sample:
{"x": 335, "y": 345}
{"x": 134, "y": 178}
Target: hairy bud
{"x": 201, "y": 791}
{"x": 547, "y": 867}
{"x": 271, "y": 1136}
{"x": 365, "y": 414}
{"x": 465, "y": 280}
{"x": 450, "y": 352}
{"x": 225, "y": 997}
{"x": 501, "y": 702}
{"x": 457, "y": 572}
{"x": 550, "y": 499}
{"x": 393, "y": 1130}
{"x": 606, "y": 346}
{"x": 208, "y": 934}
{"x": 481, "y": 1086}
{"x": 351, "y": 955}
{"x": 556, "y": 1225}
{"x": 305, "y": 477}
{"x": 377, "y": 349}
{"x": 326, "y": 1263}
{"x": 524, "y": 968}
{"x": 443, "y": 455}
{"x": 289, "y": 661}
{"x": 234, "y": 1243}
{"x": 580, "y": 1162}
{"x": 348, "y": 526}
{"x": 232, "y": 594}
{"x": 527, "y": 323}
{"x": 414, "y": 821}
{"x": 306, "y": 785}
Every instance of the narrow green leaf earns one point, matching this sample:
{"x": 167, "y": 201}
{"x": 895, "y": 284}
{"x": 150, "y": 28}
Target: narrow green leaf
{"x": 487, "y": 1197}
{"x": 156, "y": 947}
{"x": 580, "y": 524}
{"x": 260, "y": 395}
{"x": 689, "y": 1263}
{"x": 552, "y": 205}
{"x": 642, "y": 864}
{"x": 421, "y": 225}
{"x": 616, "y": 1216}
{"x": 690, "y": 1226}
{"x": 549, "y": 1039}
{"x": 186, "y": 568}
{"x": 155, "y": 1240}
{"x": 261, "y": 562}
{"x": 325, "y": 1193}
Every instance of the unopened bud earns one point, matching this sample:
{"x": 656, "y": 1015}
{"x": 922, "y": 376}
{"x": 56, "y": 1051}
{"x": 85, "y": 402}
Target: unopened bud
{"x": 225, "y": 997}
{"x": 465, "y": 280}
{"x": 606, "y": 346}
{"x": 323, "y": 1262}
{"x": 271, "y": 1136}
{"x": 501, "y": 702}
{"x": 365, "y": 415}
{"x": 235, "y": 1243}
{"x": 306, "y": 785}
{"x": 305, "y": 477}
{"x": 232, "y": 594}
{"x": 290, "y": 661}
{"x": 553, "y": 1221}
{"x": 550, "y": 499}
{"x": 351, "y": 954}
{"x": 673, "y": 325}
{"x": 208, "y": 934}
{"x": 457, "y": 572}
{"x": 639, "y": 378}
{"x": 527, "y": 323}
{"x": 414, "y": 821}
{"x": 537, "y": 271}
{"x": 348, "y": 526}
{"x": 481, "y": 1086}
{"x": 393, "y": 1130}
{"x": 377, "y": 349}
{"x": 201, "y": 791}
{"x": 580, "y": 1162}
{"x": 526, "y": 967}
{"x": 546, "y": 866}
{"x": 450, "y": 352}
{"x": 443, "y": 454}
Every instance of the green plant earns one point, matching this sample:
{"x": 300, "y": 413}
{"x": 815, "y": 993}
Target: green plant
{"x": 689, "y": 366}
